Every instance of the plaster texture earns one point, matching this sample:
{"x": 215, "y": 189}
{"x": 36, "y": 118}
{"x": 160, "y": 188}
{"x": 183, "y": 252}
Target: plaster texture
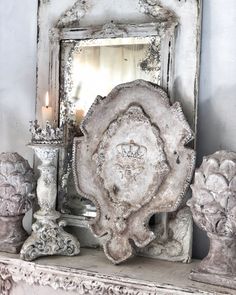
{"x": 217, "y": 102}
{"x": 17, "y": 187}
{"x": 214, "y": 210}
{"x": 132, "y": 164}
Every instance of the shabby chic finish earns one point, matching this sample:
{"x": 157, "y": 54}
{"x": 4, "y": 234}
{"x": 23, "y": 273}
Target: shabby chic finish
{"x": 173, "y": 237}
{"x": 132, "y": 163}
{"x": 48, "y": 237}
{"x": 150, "y": 66}
{"x": 76, "y": 275}
{"x": 16, "y": 192}
{"x": 5, "y": 281}
{"x": 69, "y": 18}
{"x": 214, "y": 210}
{"x": 75, "y": 15}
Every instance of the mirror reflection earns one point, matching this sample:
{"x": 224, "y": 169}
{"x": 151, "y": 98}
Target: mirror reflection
{"x": 91, "y": 68}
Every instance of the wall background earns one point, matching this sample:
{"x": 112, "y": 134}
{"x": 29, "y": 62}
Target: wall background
{"x": 18, "y": 44}
{"x": 18, "y": 55}
{"x": 217, "y": 99}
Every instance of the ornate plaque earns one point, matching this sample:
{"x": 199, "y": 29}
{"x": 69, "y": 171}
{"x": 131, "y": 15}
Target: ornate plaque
{"x": 132, "y": 162}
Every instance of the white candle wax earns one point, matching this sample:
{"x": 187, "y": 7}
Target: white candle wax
{"x": 46, "y": 111}
{"x": 46, "y": 115}
{"x": 79, "y": 115}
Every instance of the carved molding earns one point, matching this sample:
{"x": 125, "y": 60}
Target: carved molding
{"x": 71, "y": 18}
{"x": 80, "y": 281}
{"x": 156, "y": 10}
{"x": 73, "y": 15}
{"x": 5, "y": 280}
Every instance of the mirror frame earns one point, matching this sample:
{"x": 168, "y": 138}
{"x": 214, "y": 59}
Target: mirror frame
{"x": 163, "y": 31}
{"x": 60, "y": 20}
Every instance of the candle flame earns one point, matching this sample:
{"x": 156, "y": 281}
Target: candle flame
{"x": 47, "y": 100}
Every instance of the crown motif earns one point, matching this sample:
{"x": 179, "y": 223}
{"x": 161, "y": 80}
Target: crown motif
{"x": 47, "y": 135}
{"x": 131, "y": 150}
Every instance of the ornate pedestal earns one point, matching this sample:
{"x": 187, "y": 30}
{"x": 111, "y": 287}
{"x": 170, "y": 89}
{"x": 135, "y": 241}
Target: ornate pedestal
{"x": 214, "y": 209}
{"x": 48, "y": 238}
{"x": 219, "y": 267}
{"x": 17, "y": 188}
{"x": 12, "y": 235}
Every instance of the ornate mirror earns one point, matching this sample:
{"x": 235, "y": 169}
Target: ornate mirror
{"x": 88, "y": 47}
{"x": 96, "y": 65}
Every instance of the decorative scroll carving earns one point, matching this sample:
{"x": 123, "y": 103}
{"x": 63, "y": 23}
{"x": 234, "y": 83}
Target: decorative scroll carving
{"x": 174, "y": 244}
{"x": 82, "y": 281}
{"x": 110, "y": 30}
{"x": 72, "y": 16}
{"x": 5, "y": 280}
{"x": 154, "y": 9}
{"x": 49, "y": 239}
{"x": 132, "y": 162}
{"x": 214, "y": 209}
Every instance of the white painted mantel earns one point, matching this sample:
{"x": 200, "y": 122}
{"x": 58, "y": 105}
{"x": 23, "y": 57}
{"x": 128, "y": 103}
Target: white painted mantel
{"x": 91, "y": 273}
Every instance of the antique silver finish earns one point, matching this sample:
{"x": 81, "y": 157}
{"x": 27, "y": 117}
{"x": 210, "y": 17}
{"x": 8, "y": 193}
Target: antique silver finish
{"x": 132, "y": 163}
{"x": 16, "y": 192}
{"x": 49, "y": 134}
{"x": 48, "y": 237}
{"x": 214, "y": 210}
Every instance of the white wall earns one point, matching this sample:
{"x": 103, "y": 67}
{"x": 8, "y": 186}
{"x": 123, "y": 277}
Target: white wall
{"x": 217, "y": 101}
{"x": 18, "y": 42}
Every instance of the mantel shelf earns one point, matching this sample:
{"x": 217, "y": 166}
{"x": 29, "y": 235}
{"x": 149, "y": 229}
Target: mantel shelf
{"x": 92, "y": 273}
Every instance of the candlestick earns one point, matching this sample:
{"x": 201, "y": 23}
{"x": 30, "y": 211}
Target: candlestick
{"x": 46, "y": 111}
{"x": 48, "y": 236}
{"x": 79, "y": 115}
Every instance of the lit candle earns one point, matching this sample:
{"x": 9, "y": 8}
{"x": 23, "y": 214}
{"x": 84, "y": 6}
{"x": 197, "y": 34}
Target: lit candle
{"x": 46, "y": 111}
{"x": 79, "y": 115}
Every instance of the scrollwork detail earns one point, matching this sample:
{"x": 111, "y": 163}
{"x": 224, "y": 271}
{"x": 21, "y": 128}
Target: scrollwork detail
{"x": 5, "y": 280}
{"x": 48, "y": 238}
